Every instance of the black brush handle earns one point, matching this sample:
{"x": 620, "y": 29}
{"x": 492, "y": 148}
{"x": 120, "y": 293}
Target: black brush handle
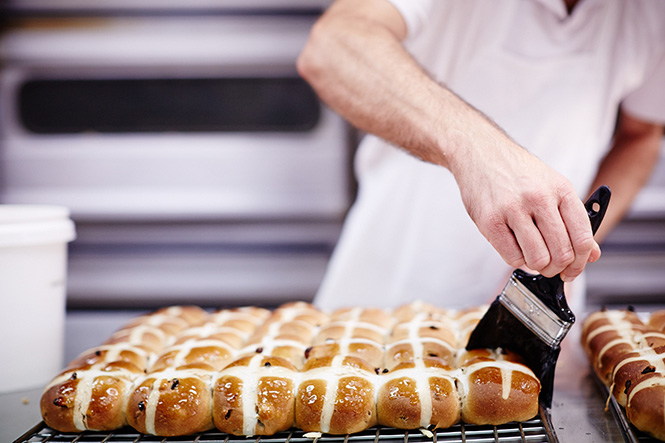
{"x": 550, "y": 289}
{"x": 596, "y": 206}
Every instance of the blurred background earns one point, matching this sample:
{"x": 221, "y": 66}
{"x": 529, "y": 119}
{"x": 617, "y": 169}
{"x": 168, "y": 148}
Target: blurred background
{"x": 197, "y": 165}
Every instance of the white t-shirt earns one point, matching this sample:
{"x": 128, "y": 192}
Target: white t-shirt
{"x": 553, "y": 81}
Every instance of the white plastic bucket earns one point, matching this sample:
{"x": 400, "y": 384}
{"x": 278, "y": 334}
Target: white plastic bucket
{"x": 33, "y": 277}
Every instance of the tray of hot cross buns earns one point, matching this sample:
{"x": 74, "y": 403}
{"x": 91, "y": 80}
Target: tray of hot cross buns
{"x": 627, "y": 354}
{"x": 294, "y": 373}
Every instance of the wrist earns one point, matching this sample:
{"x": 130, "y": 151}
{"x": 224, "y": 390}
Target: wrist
{"x": 468, "y": 139}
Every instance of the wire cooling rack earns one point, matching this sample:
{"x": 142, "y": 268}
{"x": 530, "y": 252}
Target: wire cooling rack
{"x": 537, "y": 430}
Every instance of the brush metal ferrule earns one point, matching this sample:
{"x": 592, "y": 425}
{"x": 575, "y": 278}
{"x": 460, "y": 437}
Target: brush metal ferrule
{"x": 533, "y": 313}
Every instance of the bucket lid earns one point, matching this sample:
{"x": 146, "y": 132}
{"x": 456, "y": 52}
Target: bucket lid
{"x": 35, "y": 224}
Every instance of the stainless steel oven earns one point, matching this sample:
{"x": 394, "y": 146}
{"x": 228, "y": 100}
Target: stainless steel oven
{"x": 197, "y": 164}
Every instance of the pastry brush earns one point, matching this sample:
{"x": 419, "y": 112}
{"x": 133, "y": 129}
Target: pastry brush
{"x": 531, "y": 316}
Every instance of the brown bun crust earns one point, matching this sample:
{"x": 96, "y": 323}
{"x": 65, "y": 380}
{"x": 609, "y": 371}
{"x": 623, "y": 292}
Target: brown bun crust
{"x": 213, "y": 353}
{"x": 150, "y": 339}
{"x": 192, "y": 315}
{"x": 376, "y": 316}
{"x": 497, "y": 389}
{"x": 418, "y": 394}
{"x": 339, "y": 330}
{"x": 606, "y": 336}
{"x": 408, "y": 312}
{"x": 466, "y": 320}
{"x": 607, "y": 322}
{"x": 419, "y": 337}
{"x": 89, "y": 397}
{"x": 171, "y": 320}
{"x": 657, "y": 321}
{"x": 635, "y": 367}
{"x": 646, "y": 405}
{"x": 299, "y": 311}
{"x": 367, "y": 350}
{"x": 267, "y": 383}
{"x": 336, "y": 395}
{"x": 172, "y": 402}
{"x": 403, "y": 352}
{"x": 112, "y": 353}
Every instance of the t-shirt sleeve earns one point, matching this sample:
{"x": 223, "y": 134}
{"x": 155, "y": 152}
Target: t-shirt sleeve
{"x": 648, "y": 100}
{"x": 414, "y": 12}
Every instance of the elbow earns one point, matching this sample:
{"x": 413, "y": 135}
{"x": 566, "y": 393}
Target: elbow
{"x": 305, "y": 64}
{"x": 311, "y": 62}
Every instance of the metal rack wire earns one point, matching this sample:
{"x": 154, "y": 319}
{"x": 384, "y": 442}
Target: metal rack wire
{"x": 537, "y": 430}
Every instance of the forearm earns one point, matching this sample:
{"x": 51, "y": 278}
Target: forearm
{"x": 627, "y": 167}
{"x": 358, "y": 66}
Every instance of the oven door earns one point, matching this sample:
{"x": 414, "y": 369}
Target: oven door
{"x": 175, "y": 117}
{"x": 194, "y": 159}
